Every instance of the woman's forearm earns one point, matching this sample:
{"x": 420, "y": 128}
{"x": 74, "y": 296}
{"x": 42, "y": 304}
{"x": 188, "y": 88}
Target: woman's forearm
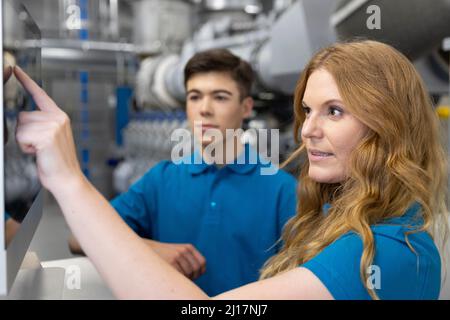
{"x": 128, "y": 265}
{"x": 130, "y": 268}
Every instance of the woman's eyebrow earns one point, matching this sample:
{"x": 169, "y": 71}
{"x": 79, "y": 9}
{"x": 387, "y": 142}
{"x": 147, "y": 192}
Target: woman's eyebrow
{"x": 332, "y": 101}
{"x": 324, "y": 103}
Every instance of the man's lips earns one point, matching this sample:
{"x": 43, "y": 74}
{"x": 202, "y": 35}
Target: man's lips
{"x": 208, "y": 126}
{"x": 205, "y": 127}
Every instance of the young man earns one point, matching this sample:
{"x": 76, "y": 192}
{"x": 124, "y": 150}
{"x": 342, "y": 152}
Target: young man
{"x": 216, "y": 221}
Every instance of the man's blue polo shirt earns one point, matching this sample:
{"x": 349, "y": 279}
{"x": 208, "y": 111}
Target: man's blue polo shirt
{"x": 233, "y": 215}
{"x": 396, "y": 273}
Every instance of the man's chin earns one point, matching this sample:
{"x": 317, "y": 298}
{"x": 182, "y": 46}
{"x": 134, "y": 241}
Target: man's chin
{"x": 211, "y": 143}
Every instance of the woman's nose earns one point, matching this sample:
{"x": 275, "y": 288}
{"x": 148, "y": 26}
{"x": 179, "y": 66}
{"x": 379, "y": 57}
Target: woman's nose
{"x": 312, "y": 127}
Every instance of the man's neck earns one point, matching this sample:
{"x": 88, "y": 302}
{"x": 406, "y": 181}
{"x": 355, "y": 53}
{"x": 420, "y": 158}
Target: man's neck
{"x": 227, "y": 153}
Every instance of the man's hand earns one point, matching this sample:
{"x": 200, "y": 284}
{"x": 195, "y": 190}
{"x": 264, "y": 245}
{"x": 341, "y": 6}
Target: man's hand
{"x": 184, "y": 257}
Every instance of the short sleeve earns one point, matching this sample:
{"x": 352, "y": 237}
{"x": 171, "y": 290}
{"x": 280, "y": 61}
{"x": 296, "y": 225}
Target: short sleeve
{"x": 137, "y": 206}
{"x": 337, "y": 267}
{"x": 399, "y": 273}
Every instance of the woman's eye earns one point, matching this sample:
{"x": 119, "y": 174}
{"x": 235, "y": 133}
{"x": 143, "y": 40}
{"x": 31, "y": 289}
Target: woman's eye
{"x": 306, "y": 110}
{"x": 335, "y": 111}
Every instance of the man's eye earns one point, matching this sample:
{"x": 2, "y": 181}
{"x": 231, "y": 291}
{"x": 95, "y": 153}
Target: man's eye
{"x": 193, "y": 98}
{"x": 221, "y": 98}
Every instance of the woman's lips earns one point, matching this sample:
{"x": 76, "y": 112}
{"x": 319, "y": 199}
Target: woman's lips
{"x": 316, "y": 155}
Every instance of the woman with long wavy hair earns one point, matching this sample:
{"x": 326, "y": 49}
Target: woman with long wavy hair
{"x": 387, "y": 192}
{"x": 371, "y": 197}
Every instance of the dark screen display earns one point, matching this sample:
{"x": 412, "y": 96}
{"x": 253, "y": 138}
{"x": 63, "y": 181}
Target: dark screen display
{"x": 21, "y": 47}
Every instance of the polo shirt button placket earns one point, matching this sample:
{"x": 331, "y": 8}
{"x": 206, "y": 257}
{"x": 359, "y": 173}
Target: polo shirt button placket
{"x": 213, "y": 217}
{"x": 213, "y": 212}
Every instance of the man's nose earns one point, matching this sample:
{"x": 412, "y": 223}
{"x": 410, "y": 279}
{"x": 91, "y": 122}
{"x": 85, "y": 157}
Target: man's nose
{"x": 206, "y": 107}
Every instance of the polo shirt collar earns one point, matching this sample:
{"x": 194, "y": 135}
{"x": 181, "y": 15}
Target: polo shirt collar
{"x": 240, "y": 165}
{"x": 198, "y": 165}
{"x": 243, "y": 164}
{"x": 411, "y": 216}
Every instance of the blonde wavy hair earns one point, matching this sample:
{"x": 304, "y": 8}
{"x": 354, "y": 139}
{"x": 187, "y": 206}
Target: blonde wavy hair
{"x": 400, "y": 161}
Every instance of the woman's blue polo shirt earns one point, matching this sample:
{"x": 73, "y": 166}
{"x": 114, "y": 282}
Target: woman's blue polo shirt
{"x": 396, "y": 273}
{"x": 233, "y": 215}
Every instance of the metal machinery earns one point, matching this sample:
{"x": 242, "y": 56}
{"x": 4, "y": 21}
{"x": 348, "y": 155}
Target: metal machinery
{"x": 279, "y": 37}
{"x": 86, "y": 60}
{"x": 116, "y": 65}
{"x": 259, "y": 32}
{"x": 279, "y": 43}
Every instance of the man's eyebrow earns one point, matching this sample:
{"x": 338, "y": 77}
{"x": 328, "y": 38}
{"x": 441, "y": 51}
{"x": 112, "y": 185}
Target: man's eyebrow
{"x": 193, "y": 91}
{"x": 223, "y": 91}
{"x": 213, "y": 91}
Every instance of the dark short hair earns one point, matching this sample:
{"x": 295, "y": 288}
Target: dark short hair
{"x": 221, "y": 60}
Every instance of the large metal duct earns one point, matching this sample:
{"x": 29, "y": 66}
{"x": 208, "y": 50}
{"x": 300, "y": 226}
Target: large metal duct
{"x": 238, "y": 10}
{"x": 161, "y": 26}
{"x": 276, "y": 53}
{"x": 279, "y": 49}
{"x": 414, "y": 27}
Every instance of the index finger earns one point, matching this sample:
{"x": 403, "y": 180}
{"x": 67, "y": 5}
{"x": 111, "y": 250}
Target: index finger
{"x": 42, "y": 100}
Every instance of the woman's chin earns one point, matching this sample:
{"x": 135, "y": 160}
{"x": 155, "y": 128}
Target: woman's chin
{"x": 323, "y": 177}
